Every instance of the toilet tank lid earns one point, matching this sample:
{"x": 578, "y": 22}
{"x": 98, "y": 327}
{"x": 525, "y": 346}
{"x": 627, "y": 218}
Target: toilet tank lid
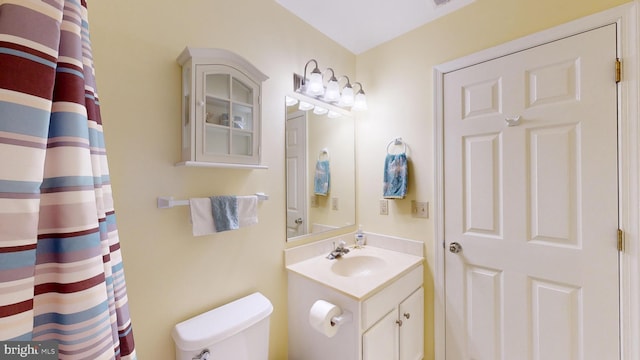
{"x": 222, "y": 322}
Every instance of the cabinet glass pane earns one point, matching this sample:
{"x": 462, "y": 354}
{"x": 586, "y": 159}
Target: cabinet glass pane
{"x": 217, "y": 85}
{"x": 243, "y": 117}
{"x": 217, "y": 112}
{"x": 242, "y": 143}
{"x": 216, "y": 140}
{"x": 241, "y": 92}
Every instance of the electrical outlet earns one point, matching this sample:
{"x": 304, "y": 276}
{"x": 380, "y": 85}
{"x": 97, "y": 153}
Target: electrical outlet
{"x": 420, "y": 209}
{"x": 384, "y": 207}
{"x": 335, "y": 204}
{"x": 314, "y": 201}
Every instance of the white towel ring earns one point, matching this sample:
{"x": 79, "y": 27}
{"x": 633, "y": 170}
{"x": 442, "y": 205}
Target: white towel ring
{"x": 396, "y": 142}
{"x": 324, "y": 151}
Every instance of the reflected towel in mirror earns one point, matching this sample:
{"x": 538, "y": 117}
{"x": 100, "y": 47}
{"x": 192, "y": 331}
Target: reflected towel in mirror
{"x": 322, "y": 178}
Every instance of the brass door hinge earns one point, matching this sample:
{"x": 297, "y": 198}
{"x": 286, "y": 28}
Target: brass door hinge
{"x": 618, "y": 70}
{"x": 620, "y": 240}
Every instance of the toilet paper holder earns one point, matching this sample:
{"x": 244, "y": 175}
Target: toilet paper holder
{"x": 343, "y": 318}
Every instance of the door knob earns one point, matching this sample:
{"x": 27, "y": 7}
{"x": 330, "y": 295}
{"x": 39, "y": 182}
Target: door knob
{"x": 298, "y": 221}
{"x": 455, "y": 248}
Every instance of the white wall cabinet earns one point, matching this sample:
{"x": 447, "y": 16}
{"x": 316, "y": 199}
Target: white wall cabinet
{"x": 399, "y": 334}
{"x": 221, "y": 109}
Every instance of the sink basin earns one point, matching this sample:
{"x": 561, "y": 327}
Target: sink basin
{"x": 356, "y": 274}
{"x": 358, "y": 265}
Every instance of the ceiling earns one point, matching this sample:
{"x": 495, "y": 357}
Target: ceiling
{"x": 360, "y": 25}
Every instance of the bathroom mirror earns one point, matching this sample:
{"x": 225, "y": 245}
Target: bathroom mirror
{"x": 313, "y": 141}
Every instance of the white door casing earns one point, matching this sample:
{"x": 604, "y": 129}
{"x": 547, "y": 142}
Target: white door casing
{"x": 624, "y": 17}
{"x": 296, "y": 168}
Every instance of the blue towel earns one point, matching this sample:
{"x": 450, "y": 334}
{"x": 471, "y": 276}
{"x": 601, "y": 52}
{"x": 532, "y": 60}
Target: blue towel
{"x": 322, "y": 178}
{"x": 395, "y": 176}
{"x": 225, "y": 212}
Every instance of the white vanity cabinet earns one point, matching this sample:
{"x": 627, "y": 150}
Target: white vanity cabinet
{"x": 374, "y": 333}
{"x": 399, "y": 334}
{"x": 221, "y": 115}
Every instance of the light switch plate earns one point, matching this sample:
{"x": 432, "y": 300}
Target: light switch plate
{"x": 384, "y": 207}
{"x": 420, "y": 209}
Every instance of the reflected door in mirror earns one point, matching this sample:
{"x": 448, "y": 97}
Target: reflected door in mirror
{"x": 296, "y": 144}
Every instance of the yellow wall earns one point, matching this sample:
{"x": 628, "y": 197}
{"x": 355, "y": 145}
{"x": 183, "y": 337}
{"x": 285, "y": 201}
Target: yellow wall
{"x": 170, "y": 274}
{"x": 398, "y": 81}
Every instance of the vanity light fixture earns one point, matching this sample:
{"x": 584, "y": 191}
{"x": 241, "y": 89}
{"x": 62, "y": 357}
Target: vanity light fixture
{"x": 331, "y": 94}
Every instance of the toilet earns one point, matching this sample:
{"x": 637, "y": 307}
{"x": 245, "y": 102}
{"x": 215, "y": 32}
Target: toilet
{"x": 238, "y": 330}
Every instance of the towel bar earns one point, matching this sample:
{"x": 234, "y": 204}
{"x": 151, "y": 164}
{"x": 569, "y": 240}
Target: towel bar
{"x": 168, "y": 202}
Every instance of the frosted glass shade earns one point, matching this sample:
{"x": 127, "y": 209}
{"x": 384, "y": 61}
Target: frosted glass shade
{"x": 347, "y": 97}
{"x": 290, "y": 101}
{"x": 333, "y": 91}
{"x": 305, "y": 106}
{"x": 315, "y": 87}
{"x": 318, "y": 110}
{"x": 360, "y": 102}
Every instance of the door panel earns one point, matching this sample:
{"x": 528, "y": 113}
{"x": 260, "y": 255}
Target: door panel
{"x": 533, "y": 205}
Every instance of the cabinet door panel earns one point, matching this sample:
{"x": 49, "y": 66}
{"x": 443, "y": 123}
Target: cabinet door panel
{"x": 380, "y": 342}
{"x": 411, "y": 312}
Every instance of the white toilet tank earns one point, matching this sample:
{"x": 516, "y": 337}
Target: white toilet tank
{"x": 238, "y": 330}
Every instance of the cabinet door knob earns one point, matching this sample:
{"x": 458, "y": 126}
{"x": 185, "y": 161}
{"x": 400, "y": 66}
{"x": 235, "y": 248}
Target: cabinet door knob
{"x": 201, "y": 103}
{"x": 399, "y": 322}
{"x": 407, "y": 315}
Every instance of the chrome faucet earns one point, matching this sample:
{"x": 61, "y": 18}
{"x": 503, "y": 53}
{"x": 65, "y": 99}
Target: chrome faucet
{"x": 338, "y": 251}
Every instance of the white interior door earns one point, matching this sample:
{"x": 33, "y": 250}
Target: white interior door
{"x": 296, "y": 149}
{"x": 531, "y": 210}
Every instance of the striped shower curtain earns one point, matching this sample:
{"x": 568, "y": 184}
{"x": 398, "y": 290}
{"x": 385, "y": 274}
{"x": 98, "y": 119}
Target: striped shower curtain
{"x": 61, "y": 275}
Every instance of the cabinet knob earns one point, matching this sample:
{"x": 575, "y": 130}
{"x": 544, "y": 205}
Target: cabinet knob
{"x": 399, "y": 322}
{"x": 201, "y": 103}
{"x": 407, "y": 315}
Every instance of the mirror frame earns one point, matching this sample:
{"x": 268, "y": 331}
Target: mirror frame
{"x": 338, "y": 230}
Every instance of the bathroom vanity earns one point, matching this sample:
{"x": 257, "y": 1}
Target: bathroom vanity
{"x": 379, "y": 286}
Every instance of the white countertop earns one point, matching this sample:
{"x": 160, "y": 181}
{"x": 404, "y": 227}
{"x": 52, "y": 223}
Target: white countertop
{"x": 361, "y": 286}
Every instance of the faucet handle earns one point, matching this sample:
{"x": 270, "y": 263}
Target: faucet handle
{"x": 342, "y": 243}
